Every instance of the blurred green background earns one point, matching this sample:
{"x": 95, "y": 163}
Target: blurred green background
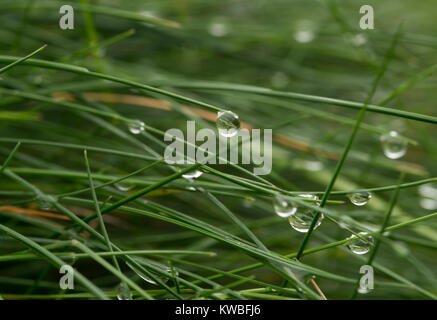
{"x": 309, "y": 47}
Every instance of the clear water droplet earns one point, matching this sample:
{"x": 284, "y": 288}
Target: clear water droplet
{"x": 283, "y": 207}
{"x": 124, "y": 186}
{"x": 192, "y": 174}
{"x": 429, "y": 196}
{"x": 45, "y": 202}
{"x": 360, "y": 198}
{"x": 312, "y": 165}
{"x": 428, "y": 190}
{"x": 309, "y": 196}
{"x": 149, "y": 14}
{"x": 44, "y": 205}
{"x": 38, "y": 79}
{"x": 155, "y": 274}
{"x": 302, "y": 218}
{"x": 248, "y": 203}
{"x": 358, "y": 245}
{"x": 227, "y": 123}
{"x": 357, "y": 40}
{"x": 393, "y": 146}
{"x": 191, "y": 188}
{"x": 428, "y": 204}
{"x": 218, "y": 29}
{"x": 279, "y": 80}
{"x": 136, "y": 126}
{"x": 304, "y": 36}
{"x": 304, "y": 31}
{"x": 124, "y": 292}
{"x": 301, "y": 221}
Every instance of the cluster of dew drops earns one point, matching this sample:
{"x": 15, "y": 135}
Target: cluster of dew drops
{"x": 228, "y": 124}
{"x": 300, "y": 217}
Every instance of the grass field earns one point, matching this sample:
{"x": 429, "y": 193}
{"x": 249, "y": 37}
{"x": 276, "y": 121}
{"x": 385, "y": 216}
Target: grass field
{"x": 84, "y": 181}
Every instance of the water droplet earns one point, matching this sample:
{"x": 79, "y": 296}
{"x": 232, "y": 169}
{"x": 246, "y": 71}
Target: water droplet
{"x": 312, "y": 165}
{"x": 429, "y": 194}
{"x": 124, "y": 292}
{"x": 38, "y": 79}
{"x": 191, "y": 188}
{"x": 360, "y": 198}
{"x": 283, "y": 207}
{"x": 218, "y": 29}
{"x": 304, "y": 36}
{"x": 301, "y": 221}
{"x": 279, "y": 80}
{"x": 155, "y": 274}
{"x": 428, "y": 190}
{"x": 358, "y": 245}
{"x": 45, "y": 202}
{"x": 302, "y": 218}
{"x": 393, "y": 146}
{"x": 124, "y": 186}
{"x": 357, "y": 40}
{"x": 227, "y": 123}
{"x": 192, "y": 174}
{"x": 136, "y": 126}
{"x": 44, "y": 205}
{"x": 304, "y": 31}
{"x": 428, "y": 204}
{"x": 149, "y": 14}
{"x": 386, "y": 233}
{"x": 248, "y": 203}
{"x": 309, "y": 196}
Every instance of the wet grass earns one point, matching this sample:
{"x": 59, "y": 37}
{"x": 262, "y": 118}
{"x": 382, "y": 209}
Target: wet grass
{"x": 79, "y": 188}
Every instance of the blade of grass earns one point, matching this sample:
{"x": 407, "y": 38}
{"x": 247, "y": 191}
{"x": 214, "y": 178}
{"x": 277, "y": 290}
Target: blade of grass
{"x": 97, "y": 208}
{"x": 9, "y": 158}
{"x": 13, "y": 64}
{"x": 31, "y": 256}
